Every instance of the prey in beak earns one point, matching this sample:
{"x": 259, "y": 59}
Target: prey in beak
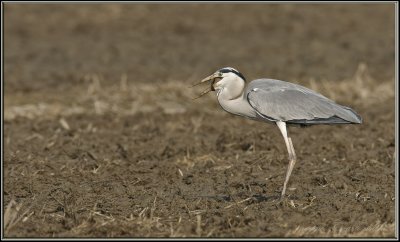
{"x": 212, "y": 78}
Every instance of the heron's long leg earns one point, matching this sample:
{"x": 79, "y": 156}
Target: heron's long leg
{"x": 282, "y": 128}
{"x": 292, "y": 148}
{"x": 292, "y": 155}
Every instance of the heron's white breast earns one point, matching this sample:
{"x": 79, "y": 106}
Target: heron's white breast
{"x": 238, "y": 106}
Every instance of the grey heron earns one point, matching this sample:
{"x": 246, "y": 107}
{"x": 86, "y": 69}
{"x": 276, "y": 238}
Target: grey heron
{"x": 276, "y": 101}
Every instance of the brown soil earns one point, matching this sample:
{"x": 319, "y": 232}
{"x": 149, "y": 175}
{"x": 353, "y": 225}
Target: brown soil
{"x": 102, "y": 137}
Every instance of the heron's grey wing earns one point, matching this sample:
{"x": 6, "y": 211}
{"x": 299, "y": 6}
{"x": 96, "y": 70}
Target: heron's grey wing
{"x": 295, "y": 104}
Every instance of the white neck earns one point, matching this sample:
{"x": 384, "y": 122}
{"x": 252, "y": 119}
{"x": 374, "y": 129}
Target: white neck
{"x": 238, "y": 105}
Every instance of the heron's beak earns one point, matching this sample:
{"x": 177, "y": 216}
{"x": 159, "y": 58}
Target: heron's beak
{"x": 203, "y": 93}
{"x": 209, "y": 78}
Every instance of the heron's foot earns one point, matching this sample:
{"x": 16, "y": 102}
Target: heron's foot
{"x": 283, "y": 196}
{"x": 281, "y": 202}
{"x": 285, "y": 201}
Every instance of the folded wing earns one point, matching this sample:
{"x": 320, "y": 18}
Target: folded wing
{"x": 277, "y": 100}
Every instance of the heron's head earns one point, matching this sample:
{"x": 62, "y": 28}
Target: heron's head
{"x": 225, "y": 78}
